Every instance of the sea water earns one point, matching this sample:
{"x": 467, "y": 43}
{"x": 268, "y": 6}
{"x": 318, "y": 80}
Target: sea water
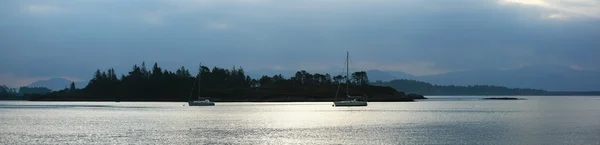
{"x": 439, "y": 120}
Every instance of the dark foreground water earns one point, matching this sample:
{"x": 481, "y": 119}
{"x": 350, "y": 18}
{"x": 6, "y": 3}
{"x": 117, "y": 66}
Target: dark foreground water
{"x": 441, "y": 120}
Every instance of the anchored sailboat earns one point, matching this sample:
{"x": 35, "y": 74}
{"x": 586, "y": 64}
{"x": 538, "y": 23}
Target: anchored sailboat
{"x": 352, "y": 100}
{"x": 199, "y": 101}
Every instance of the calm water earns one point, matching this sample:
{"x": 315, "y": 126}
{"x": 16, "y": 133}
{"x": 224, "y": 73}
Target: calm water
{"x": 441, "y": 120}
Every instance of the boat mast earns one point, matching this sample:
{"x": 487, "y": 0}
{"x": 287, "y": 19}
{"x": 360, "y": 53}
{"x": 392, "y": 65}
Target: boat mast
{"x": 347, "y": 72}
{"x": 199, "y": 77}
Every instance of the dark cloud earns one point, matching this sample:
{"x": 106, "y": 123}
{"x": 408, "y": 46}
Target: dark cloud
{"x": 57, "y": 38}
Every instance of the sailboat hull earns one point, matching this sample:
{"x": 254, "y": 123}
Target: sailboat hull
{"x": 201, "y": 103}
{"x": 349, "y": 103}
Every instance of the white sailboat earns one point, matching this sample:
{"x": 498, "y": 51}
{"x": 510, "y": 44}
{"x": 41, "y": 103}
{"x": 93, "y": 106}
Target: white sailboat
{"x": 199, "y": 101}
{"x": 352, "y": 100}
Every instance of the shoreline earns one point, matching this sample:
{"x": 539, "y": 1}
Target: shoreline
{"x": 186, "y": 101}
{"x": 504, "y": 98}
{"x": 240, "y": 101}
{"x": 526, "y": 95}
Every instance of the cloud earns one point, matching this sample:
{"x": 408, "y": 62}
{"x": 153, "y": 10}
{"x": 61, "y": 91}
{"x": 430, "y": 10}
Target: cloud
{"x": 41, "y": 9}
{"x": 420, "y": 37}
{"x": 556, "y": 16}
{"x": 73, "y": 79}
{"x": 14, "y": 81}
{"x": 414, "y": 68}
{"x": 154, "y": 18}
{"x": 278, "y": 67}
{"x": 587, "y": 8}
{"x": 218, "y": 26}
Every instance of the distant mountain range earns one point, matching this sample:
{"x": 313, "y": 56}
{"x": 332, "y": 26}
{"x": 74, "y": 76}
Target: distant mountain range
{"x": 424, "y": 88}
{"x": 57, "y": 84}
{"x": 551, "y": 78}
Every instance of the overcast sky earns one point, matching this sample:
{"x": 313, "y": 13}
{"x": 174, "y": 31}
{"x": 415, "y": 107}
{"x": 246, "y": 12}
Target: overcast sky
{"x": 40, "y": 39}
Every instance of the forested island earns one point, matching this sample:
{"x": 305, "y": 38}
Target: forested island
{"x": 411, "y": 86}
{"x": 222, "y": 85}
{"x": 233, "y": 85}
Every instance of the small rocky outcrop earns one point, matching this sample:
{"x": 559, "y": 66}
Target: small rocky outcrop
{"x": 415, "y": 96}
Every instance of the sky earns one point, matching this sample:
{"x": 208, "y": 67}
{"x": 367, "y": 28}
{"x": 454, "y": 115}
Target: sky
{"x": 42, "y": 39}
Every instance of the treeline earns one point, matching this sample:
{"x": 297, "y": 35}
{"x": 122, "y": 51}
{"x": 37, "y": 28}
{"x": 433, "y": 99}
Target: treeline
{"x": 157, "y": 84}
{"x": 23, "y": 93}
{"x": 413, "y": 86}
{"x": 33, "y": 90}
{"x": 7, "y": 93}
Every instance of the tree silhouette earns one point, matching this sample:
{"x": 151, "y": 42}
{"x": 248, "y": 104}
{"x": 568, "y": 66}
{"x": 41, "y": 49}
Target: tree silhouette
{"x": 140, "y": 84}
{"x": 360, "y": 78}
{"x": 338, "y": 79}
{"x": 72, "y": 86}
{"x": 6, "y": 92}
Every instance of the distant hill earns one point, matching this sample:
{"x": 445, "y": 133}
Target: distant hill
{"x": 56, "y": 84}
{"x": 551, "y": 78}
{"x": 378, "y": 75}
{"x": 413, "y": 86}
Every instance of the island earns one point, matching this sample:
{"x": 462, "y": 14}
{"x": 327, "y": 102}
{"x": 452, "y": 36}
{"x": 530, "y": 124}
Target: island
{"x": 224, "y": 85}
{"x": 503, "y": 98}
{"x": 425, "y": 88}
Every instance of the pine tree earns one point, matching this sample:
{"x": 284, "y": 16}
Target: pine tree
{"x": 144, "y": 70}
{"x": 72, "y": 87}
